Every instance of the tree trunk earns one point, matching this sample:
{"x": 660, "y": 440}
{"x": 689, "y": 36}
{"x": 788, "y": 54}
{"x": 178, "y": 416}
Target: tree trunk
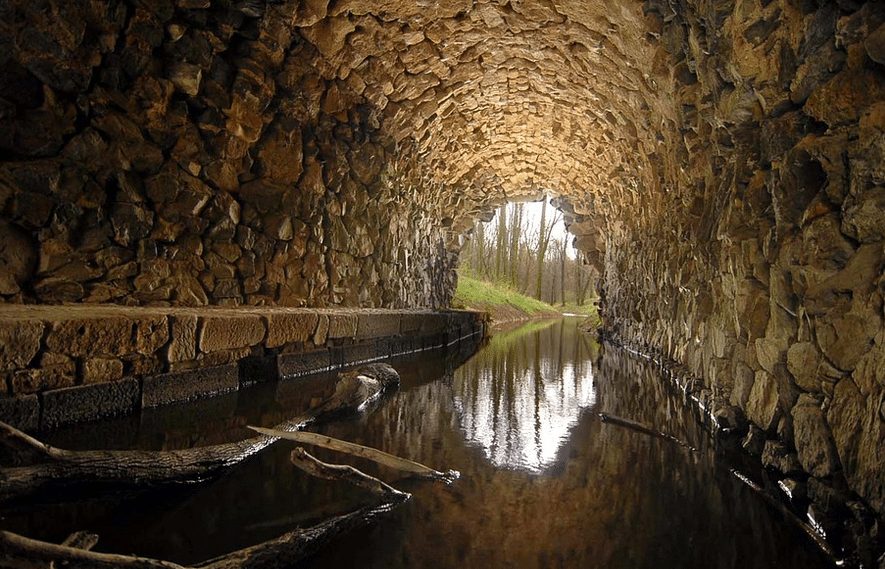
{"x": 500, "y": 242}
{"x": 515, "y": 230}
{"x": 542, "y": 250}
{"x": 288, "y": 550}
{"x": 562, "y": 257}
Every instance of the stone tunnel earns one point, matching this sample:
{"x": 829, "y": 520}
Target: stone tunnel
{"x": 721, "y": 163}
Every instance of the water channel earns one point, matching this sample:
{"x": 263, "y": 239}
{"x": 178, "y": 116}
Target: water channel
{"x": 544, "y": 481}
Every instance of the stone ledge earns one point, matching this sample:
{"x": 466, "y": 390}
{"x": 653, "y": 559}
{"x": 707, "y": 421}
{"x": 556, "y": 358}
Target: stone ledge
{"x": 169, "y": 355}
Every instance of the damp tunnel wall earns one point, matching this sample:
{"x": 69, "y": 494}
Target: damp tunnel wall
{"x": 720, "y": 163}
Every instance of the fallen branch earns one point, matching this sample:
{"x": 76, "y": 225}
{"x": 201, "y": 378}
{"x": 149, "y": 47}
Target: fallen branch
{"x": 639, "y": 427}
{"x": 19, "y": 552}
{"x": 315, "y": 467}
{"x": 77, "y": 540}
{"x": 353, "y": 449}
{"x": 58, "y": 467}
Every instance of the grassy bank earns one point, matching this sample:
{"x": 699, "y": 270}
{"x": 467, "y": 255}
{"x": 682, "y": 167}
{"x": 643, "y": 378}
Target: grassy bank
{"x": 504, "y": 304}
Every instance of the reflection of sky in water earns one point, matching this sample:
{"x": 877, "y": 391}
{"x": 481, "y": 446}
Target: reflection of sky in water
{"x": 523, "y": 419}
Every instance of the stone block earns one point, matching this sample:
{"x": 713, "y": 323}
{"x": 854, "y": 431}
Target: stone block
{"x": 151, "y": 334}
{"x": 358, "y": 353}
{"x": 762, "y": 404}
{"x": 54, "y": 371}
{"x": 287, "y": 328}
{"x": 322, "y": 331}
{"x": 230, "y": 332}
{"x": 377, "y": 325}
{"x": 342, "y": 326}
{"x": 19, "y": 343}
{"x": 410, "y": 323}
{"x": 91, "y": 336}
{"x": 813, "y": 439}
{"x": 187, "y": 385}
{"x": 294, "y": 365}
{"x": 804, "y": 363}
{"x": 22, "y": 412}
{"x": 102, "y": 369}
{"x": 225, "y": 357}
{"x": 433, "y": 323}
{"x": 183, "y": 346}
{"x": 89, "y": 402}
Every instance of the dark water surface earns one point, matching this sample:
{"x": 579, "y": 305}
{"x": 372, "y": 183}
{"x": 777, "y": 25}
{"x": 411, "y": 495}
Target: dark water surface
{"x": 544, "y": 482}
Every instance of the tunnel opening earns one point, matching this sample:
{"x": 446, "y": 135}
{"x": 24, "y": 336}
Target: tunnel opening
{"x": 528, "y": 248}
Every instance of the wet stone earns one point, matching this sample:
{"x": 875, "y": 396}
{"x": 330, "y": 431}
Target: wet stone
{"x": 295, "y": 365}
{"x": 22, "y": 412}
{"x": 88, "y": 402}
{"x": 187, "y": 385}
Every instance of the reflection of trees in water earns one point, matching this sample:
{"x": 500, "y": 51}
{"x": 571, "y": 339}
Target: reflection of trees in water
{"x": 611, "y": 497}
{"x": 519, "y": 397}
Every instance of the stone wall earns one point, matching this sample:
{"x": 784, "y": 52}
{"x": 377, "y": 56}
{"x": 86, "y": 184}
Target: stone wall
{"x": 761, "y": 266}
{"x": 160, "y": 154}
{"x": 64, "y": 365}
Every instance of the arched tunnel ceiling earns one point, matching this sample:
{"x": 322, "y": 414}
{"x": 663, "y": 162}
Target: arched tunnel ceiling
{"x": 505, "y": 99}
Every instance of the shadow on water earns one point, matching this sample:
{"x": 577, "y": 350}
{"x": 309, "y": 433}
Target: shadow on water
{"x": 544, "y": 482}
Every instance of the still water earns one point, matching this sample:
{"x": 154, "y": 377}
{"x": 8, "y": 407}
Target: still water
{"x": 544, "y": 482}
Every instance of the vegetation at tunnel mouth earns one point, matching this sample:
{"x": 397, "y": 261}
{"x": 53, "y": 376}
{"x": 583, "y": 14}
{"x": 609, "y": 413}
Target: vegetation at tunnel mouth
{"x": 507, "y": 305}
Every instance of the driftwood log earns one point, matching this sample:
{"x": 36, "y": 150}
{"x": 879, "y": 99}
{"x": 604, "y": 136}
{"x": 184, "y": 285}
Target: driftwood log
{"x": 640, "y": 428}
{"x": 315, "y": 467}
{"x": 405, "y": 465}
{"x": 19, "y": 552}
{"x": 288, "y": 550}
{"x": 48, "y": 467}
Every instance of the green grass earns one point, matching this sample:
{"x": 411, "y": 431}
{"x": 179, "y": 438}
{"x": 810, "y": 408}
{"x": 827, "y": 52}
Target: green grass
{"x": 502, "y": 301}
{"x": 482, "y": 295}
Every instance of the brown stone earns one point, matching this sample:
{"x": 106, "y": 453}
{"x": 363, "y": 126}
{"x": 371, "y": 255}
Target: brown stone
{"x": 91, "y": 336}
{"x": 19, "y": 343}
{"x": 762, "y": 405}
{"x": 859, "y": 436}
{"x": 55, "y": 370}
{"x": 17, "y": 258}
{"x": 845, "y": 339}
{"x": 183, "y": 346}
{"x": 846, "y": 96}
{"x": 289, "y": 328}
{"x": 875, "y": 45}
{"x": 186, "y": 77}
{"x": 342, "y": 326}
{"x": 377, "y": 325}
{"x": 230, "y": 332}
{"x": 55, "y": 289}
{"x": 814, "y": 443}
{"x": 863, "y": 219}
{"x": 151, "y": 334}
{"x": 804, "y": 363}
{"x": 102, "y": 369}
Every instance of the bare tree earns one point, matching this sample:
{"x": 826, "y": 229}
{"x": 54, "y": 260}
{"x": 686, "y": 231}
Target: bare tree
{"x": 501, "y": 241}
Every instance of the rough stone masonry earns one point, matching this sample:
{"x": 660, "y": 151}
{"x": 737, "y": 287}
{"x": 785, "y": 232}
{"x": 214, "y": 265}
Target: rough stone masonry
{"x": 722, "y": 163}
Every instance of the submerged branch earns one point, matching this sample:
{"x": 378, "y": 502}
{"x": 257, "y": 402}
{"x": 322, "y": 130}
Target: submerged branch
{"x": 353, "y": 449}
{"x": 291, "y": 548}
{"x": 639, "y": 427}
{"x": 56, "y": 467}
{"x": 315, "y": 467}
